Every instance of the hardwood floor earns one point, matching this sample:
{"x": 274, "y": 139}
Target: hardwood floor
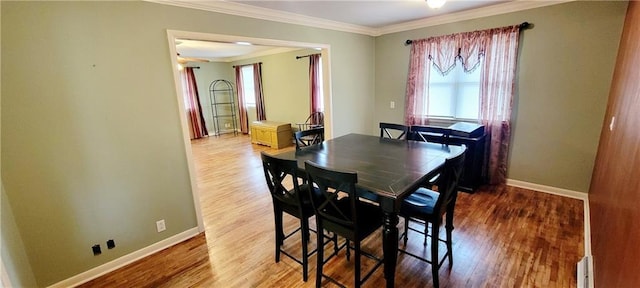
{"x": 504, "y": 237}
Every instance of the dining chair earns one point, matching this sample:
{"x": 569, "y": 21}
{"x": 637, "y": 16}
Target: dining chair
{"x": 393, "y": 131}
{"x": 294, "y": 202}
{"x": 309, "y": 137}
{"x": 430, "y": 134}
{"x": 315, "y": 120}
{"x": 340, "y": 211}
{"x": 426, "y": 206}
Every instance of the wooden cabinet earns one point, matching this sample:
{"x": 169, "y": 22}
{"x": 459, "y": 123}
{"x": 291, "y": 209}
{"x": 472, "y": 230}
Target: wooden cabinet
{"x": 474, "y": 137}
{"x": 270, "y": 133}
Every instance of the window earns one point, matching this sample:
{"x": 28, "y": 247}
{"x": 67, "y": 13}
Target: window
{"x": 248, "y": 86}
{"x": 320, "y": 86}
{"x": 455, "y": 95}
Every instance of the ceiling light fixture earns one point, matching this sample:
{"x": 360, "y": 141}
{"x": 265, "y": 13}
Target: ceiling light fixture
{"x": 435, "y": 4}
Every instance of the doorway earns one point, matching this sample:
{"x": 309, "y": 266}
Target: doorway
{"x": 172, "y": 35}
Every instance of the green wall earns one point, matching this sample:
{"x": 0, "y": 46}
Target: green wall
{"x": 285, "y": 81}
{"x": 14, "y": 258}
{"x": 207, "y": 73}
{"x": 565, "y": 68}
{"x": 92, "y": 145}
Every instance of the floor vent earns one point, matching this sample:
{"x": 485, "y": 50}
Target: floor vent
{"x": 584, "y": 272}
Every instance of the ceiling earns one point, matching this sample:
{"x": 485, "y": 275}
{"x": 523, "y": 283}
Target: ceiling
{"x": 372, "y": 18}
{"x": 371, "y": 14}
{"x": 224, "y": 52}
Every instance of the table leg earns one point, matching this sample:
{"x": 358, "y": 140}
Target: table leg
{"x": 390, "y": 246}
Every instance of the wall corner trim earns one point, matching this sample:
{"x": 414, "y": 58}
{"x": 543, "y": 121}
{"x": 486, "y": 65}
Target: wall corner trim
{"x": 125, "y": 260}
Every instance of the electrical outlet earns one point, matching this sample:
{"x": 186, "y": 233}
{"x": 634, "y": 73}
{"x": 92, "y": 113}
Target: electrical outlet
{"x": 96, "y": 250}
{"x": 111, "y": 244}
{"x": 392, "y": 104}
{"x": 160, "y": 226}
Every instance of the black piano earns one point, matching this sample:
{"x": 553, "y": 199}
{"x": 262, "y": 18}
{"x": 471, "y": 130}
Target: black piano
{"x": 474, "y": 137}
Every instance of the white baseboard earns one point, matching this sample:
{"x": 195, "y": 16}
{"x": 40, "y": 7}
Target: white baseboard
{"x": 126, "y": 259}
{"x": 548, "y": 189}
{"x": 571, "y": 194}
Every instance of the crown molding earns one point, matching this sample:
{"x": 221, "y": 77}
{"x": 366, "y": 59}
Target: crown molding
{"x": 244, "y": 10}
{"x": 508, "y": 7}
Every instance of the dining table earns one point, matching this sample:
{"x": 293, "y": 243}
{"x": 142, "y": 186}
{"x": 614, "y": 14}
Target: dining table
{"x": 388, "y": 170}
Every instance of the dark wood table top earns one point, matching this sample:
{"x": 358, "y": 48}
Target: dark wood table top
{"x": 389, "y": 168}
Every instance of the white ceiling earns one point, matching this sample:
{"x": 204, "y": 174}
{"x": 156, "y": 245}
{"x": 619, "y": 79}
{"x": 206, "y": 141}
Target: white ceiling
{"x": 364, "y": 17}
{"x": 224, "y": 52}
{"x": 372, "y": 14}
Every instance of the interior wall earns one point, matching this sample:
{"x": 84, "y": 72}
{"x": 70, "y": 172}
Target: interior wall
{"x": 615, "y": 189}
{"x": 92, "y": 146}
{"x": 209, "y": 72}
{"x": 565, "y": 68}
{"x": 285, "y": 81}
{"x": 92, "y": 143}
{"x": 285, "y": 85}
{"x": 14, "y": 257}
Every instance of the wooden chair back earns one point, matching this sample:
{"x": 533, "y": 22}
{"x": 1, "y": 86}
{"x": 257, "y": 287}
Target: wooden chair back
{"x": 393, "y": 131}
{"x": 336, "y": 204}
{"x": 276, "y": 173}
{"x": 309, "y": 137}
{"x": 448, "y": 184}
{"x": 431, "y": 134}
{"x": 315, "y": 120}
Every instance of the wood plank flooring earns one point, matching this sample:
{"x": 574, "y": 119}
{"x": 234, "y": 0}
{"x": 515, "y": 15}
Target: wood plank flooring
{"x": 504, "y": 237}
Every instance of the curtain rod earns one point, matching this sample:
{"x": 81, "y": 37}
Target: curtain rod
{"x": 523, "y": 25}
{"x": 298, "y": 57}
{"x": 194, "y": 67}
{"x": 234, "y": 66}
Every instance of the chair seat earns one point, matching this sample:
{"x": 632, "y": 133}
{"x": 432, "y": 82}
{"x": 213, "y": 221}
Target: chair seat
{"x": 370, "y": 221}
{"x": 372, "y": 215}
{"x": 420, "y": 203}
{"x": 290, "y": 205}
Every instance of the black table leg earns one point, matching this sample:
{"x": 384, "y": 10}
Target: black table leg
{"x": 390, "y": 246}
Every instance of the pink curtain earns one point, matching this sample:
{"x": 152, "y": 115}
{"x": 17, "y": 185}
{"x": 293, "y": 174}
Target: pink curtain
{"x": 499, "y": 48}
{"x": 244, "y": 120}
{"x": 472, "y": 48}
{"x": 497, "y": 80}
{"x": 444, "y": 51}
{"x": 314, "y": 84}
{"x": 257, "y": 82}
{"x": 418, "y": 84}
{"x": 197, "y": 128}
